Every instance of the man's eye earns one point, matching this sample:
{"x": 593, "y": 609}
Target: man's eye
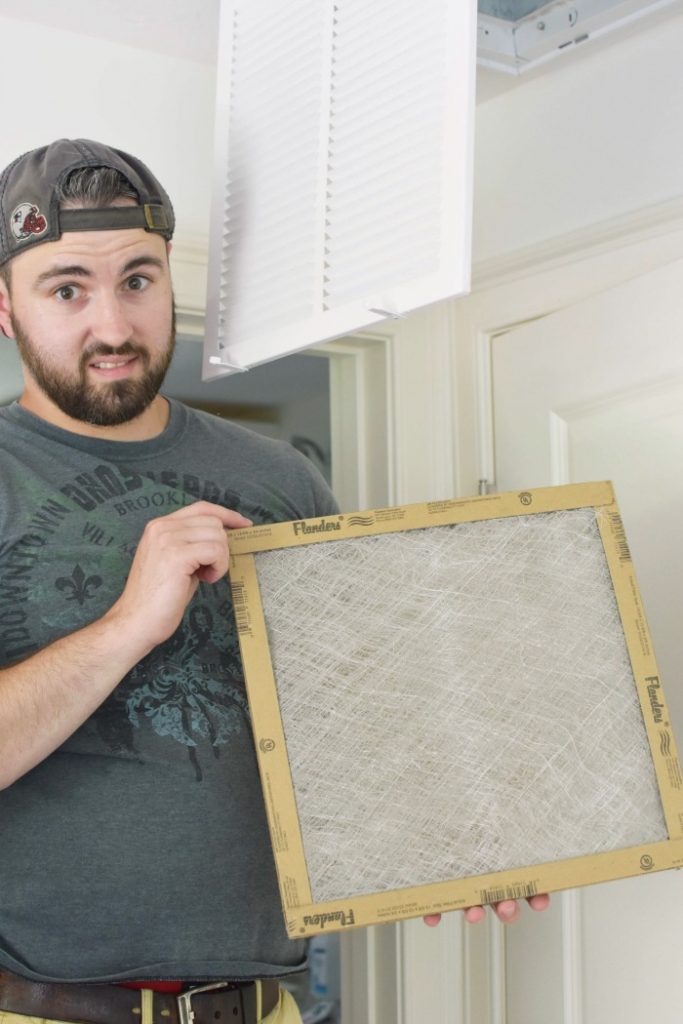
{"x": 67, "y": 292}
{"x": 137, "y": 283}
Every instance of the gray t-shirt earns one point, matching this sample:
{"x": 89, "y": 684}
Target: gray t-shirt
{"x": 139, "y": 848}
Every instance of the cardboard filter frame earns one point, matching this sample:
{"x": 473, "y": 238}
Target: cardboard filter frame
{"x": 305, "y": 916}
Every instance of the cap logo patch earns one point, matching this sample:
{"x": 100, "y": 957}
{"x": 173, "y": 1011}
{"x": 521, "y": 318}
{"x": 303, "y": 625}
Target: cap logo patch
{"x": 27, "y": 220}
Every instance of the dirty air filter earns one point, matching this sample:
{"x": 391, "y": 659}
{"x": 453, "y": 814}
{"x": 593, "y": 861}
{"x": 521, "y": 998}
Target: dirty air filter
{"x": 451, "y": 704}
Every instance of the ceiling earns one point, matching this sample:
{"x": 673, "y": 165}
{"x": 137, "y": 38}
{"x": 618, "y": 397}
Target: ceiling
{"x": 178, "y": 28}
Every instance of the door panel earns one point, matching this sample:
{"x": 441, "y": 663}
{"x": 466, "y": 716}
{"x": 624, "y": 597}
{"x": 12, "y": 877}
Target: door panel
{"x": 535, "y": 993}
{"x": 595, "y": 392}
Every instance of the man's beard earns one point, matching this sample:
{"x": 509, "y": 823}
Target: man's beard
{"x": 107, "y": 404}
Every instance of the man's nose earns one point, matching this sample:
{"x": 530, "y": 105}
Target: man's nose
{"x": 110, "y": 320}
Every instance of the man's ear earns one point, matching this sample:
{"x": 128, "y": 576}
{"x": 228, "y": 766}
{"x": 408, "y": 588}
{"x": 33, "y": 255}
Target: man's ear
{"x": 5, "y": 309}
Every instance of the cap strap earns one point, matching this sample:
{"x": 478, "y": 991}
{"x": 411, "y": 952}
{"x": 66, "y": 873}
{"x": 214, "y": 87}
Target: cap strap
{"x": 151, "y": 217}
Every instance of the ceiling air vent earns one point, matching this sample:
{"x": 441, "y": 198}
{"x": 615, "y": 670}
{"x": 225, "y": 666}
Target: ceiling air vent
{"x": 516, "y": 35}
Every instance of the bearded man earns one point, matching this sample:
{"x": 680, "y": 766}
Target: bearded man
{"x": 137, "y": 881}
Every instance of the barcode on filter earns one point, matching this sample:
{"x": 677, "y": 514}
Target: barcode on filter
{"x": 620, "y": 537}
{"x": 510, "y": 892}
{"x": 239, "y": 603}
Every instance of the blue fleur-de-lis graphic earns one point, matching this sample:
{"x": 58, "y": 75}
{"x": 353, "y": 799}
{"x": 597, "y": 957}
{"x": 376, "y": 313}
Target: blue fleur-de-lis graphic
{"x": 78, "y": 587}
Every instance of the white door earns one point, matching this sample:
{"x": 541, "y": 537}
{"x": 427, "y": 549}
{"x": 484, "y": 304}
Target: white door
{"x": 595, "y": 392}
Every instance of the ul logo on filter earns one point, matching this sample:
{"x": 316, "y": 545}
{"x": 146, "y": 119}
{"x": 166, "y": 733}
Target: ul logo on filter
{"x": 525, "y": 498}
{"x": 646, "y": 862}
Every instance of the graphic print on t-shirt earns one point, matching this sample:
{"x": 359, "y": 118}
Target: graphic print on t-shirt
{"x": 66, "y": 566}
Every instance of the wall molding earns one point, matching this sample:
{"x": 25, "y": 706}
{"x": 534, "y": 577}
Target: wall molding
{"x": 189, "y": 268}
{"x": 572, "y": 956}
{"x": 431, "y": 972}
{"x": 628, "y": 228}
{"x": 497, "y": 971}
{"x": 559, "y": 449}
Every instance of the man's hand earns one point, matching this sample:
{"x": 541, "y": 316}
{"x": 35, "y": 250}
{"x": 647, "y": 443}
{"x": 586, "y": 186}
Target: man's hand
{"x": 176, "y": 553}
{"x": 507, "y": 911}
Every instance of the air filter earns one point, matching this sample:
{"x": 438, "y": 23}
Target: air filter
{"x": 454, "y": 703}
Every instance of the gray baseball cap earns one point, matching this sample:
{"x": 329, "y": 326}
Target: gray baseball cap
{"x": 29, "y": 209}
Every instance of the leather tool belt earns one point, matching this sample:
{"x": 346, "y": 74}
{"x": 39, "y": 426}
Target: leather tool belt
{"x": 217, "y": 1003}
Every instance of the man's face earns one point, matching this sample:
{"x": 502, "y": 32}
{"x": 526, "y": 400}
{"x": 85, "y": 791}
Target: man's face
{"x": 92, "y": 315}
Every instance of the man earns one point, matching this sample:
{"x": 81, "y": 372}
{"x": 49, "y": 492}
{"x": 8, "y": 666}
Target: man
{"x": 135, "y": 848}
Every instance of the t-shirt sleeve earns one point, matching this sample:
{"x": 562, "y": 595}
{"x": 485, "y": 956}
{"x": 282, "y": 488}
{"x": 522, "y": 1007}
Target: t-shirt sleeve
{"x": 315, "y": 495}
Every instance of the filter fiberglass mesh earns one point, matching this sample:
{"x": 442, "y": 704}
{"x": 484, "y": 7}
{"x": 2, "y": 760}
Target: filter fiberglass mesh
{"x": 435, "y": 686}
{"x": 455, "y": 701}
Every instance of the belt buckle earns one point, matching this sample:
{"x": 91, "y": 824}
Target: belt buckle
{"x": 184, "y": 999}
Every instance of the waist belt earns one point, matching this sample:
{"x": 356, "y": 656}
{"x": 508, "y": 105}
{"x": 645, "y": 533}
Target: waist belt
{"x": 223, "y": 1002}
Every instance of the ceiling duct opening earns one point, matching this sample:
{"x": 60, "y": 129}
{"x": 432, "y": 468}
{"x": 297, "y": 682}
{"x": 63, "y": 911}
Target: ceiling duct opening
{"x": 517, "y": 35}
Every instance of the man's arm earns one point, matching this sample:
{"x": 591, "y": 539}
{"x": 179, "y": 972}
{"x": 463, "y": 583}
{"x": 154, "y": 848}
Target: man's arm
{"x": 45, "y": 698}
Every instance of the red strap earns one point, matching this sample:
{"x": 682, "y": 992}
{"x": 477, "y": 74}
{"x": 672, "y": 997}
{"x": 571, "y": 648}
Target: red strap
{"x": 158, "y": 986}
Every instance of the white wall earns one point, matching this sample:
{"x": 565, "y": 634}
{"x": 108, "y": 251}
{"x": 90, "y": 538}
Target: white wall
{"x": 58, "y": 84}
{"x": 594, "y": 137}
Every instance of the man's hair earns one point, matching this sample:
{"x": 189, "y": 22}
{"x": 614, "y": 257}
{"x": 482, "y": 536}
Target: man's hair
{"x": 92, "y": 187}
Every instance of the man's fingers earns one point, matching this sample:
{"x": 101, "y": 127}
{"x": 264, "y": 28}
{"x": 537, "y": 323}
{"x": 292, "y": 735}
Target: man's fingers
{"x": 198, "y": 539}
{"x": 472, "y": 916}
{"x": 507, "y": 911}
{"x": 176, "y": 552}
{"x": 228, "y": 517}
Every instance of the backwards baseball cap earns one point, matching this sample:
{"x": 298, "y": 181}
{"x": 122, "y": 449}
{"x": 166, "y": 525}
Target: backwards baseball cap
{"x": 29, "y": 207}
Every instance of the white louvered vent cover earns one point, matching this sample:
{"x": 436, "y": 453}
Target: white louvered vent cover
{"x": 342, "y": 179}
